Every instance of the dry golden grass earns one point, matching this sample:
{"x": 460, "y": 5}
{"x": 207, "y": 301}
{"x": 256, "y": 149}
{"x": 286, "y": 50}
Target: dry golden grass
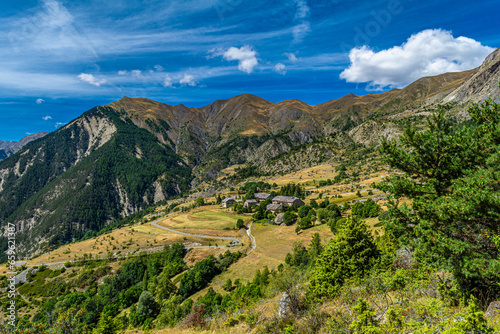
{"x": 210, "y": 220}
{"x": 319, "y": 172}
{"x": 273, "y": 243}
{"x": 123, "y": 240}
{"x": 211, "y": 217}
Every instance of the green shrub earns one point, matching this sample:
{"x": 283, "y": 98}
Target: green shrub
{"x": 231, "y": 322}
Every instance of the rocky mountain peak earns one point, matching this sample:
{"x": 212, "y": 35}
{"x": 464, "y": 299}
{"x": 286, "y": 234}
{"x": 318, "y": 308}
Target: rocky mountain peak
{"x": 482, "y": 84}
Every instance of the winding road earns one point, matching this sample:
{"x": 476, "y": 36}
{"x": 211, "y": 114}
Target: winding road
{"x": 234, "y": 241}
{"x": 21, "y": 277}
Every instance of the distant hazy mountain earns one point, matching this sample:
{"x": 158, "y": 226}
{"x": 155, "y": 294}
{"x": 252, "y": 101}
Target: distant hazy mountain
{"x": 8, "y": 148}
{"x": 115, "y": 159}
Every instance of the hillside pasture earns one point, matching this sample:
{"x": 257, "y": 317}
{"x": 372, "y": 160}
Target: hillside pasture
{"x": 205, "y": 218}
{"x": 119, "y": 242}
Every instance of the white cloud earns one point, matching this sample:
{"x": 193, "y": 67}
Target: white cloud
{"x": 246, "y": 57}
{"x": 280, "y": 68}
{"x": 167, "y": 81}
{"x": 40, "y": 101}
{"x": 58, "y": 124}
{"x": 122, "y": 72}
{"x": 89, "y": 78}
{"x": 159, "y": 68}
{"x": 429, "y": 52}
{"x": 301, "y": 30}
{"x": 303, "y": 10}
{"x": 292, "y": 57}
{"x": 137, "y": 74}
{"x": 46, "y": 118}
{"x": 50, "y": 29}
{"x": 188, "y": 79}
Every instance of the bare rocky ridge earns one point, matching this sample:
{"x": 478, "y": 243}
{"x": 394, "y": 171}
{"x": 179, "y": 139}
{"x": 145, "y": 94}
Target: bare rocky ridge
{"x": 8, "y": 148}
{"x": 482, "y": 84}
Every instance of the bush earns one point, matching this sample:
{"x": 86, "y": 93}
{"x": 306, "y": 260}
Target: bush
{"x": 196, "y": 317}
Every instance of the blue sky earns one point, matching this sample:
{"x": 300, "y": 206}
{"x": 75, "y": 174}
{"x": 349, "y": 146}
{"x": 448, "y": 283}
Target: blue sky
{"x": 61, "y": 58}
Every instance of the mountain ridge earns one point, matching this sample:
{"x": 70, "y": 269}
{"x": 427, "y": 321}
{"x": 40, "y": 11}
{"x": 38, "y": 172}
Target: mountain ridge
{"x": 8, "y": 148}
{"x": 116, "y": 159}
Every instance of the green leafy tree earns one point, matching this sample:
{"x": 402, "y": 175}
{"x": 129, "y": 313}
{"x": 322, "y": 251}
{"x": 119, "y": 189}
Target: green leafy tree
{"x": 304, "y": 210}
{"x": 200, "y": 201}
{"x": 299, "y": 256}
{"x": 165, "y": 288}
{"x": 455, "y": 194}
{"x": 288, "y": 218}
{"x": 250, "y": 193}
{"x": 352, "y": 253}
{"x": 147, "y": 307}
{"x": 357, "y": 209}
{"x": 314, "y": 204}
{"x": 367, "y": 209}
{"x": 239, "y": 224}
{"x": 371, "y": 209}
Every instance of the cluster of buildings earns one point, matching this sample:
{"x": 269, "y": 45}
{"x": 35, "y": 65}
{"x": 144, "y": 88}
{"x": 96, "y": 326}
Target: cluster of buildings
{"x": 277, "y": 204}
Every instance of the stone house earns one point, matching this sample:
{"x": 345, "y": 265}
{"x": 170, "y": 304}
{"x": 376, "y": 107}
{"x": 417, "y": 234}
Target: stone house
{"x": 250, "y": 203}
{"x": 228, "y": 202}
{"x": 273, "y": 208}
{"x": 261, "y": 197}
{"x": 288, "y": 200}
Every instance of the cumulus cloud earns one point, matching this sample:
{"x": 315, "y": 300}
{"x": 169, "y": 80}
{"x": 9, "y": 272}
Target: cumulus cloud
{"x": 58, "y": 124}
{"x": 40, "y": 101}
{"x": 301, "y": 30}
{"x": 90, "y": 79}
{"x": 122, "y": 72}
{"x": 46, "y": 118}
{"x": 246, "y": 57}
{"x": 159, "y": 68}
{"x": 188, "y": 79}
{"x": 167, "y": 81}
{"x": 280, "y": 68}
{"x": 429, "y": 52}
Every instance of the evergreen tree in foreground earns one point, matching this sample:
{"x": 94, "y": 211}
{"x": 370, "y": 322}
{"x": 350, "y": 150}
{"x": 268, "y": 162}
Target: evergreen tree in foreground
{"x": 351, "y": 254}
{"x": 454, "y": 185}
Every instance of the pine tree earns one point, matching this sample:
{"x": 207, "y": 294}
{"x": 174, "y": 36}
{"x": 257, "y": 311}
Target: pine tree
{"x": 352, "y": 253}
{"x": 106, "y": 325}
{"x": 315, "y": 247}
{"x": 165, "y": 288}
{"x": 455, "y": 193}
